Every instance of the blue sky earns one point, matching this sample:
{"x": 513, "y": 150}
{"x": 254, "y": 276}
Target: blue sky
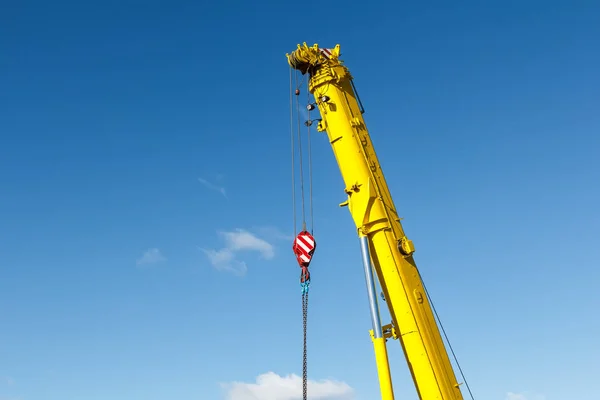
{"x": 146, "y": 196}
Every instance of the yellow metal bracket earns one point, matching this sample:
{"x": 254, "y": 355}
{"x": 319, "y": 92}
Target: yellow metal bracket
{"x": 406, "y": 246}
{"x": 389, "y": 332}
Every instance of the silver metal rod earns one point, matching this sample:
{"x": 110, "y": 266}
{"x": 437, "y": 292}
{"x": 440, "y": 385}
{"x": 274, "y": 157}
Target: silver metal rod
{"x": 370, "y": 280}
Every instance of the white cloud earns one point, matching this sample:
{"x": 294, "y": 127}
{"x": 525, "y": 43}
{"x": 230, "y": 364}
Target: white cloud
{"x": 524, "y": 396}
{"x": 151, "y": 256}
{"x": 213, "y": 186}
{"x": 271, "y": 386}
{"x": 238, "y": 240}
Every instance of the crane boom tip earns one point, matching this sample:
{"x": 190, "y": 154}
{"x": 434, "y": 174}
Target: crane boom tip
{"x": 305, "y": 58}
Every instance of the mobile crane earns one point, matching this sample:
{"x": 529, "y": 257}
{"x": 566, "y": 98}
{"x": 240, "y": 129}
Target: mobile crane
{"x": 384, "y": 245}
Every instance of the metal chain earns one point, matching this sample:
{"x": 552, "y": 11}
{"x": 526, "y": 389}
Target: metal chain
{"x": 304, "y": 364}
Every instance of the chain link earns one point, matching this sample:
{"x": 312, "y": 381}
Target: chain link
{"x": 304, "y": 363}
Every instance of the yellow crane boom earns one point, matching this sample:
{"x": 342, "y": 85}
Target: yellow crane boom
{"x": 384, "y": 245}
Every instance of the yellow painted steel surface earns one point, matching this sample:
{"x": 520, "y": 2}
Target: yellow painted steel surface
{"x": 374, "y": 213}
{"x": 383, "y": 369}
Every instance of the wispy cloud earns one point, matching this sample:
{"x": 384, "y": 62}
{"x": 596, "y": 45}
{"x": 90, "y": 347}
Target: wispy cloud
{"x": 224, "y": 260}
{"x": 240, "y": 240}
{"x": 273, "y": 233}
{"x": 214, "y": 186}
{"x": 151, "y": 256}
{"x": 236, "y": 241}
{"x": 524, "y": 396}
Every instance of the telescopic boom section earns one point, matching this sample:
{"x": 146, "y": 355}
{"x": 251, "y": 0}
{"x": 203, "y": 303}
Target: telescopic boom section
{"x": 372, "y": 208}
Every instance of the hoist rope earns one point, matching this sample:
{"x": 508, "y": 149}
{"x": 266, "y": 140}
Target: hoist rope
{"x": 310, "y": 196}
{"x": 293, "y": 151}
{"x": 300, "y": 156}
{"x": 446, "y": 337}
